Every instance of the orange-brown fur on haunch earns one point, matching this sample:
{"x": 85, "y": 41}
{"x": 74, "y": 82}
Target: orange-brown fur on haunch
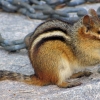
{"x": 49, "y": 64}
{"x": 58, "y": 50}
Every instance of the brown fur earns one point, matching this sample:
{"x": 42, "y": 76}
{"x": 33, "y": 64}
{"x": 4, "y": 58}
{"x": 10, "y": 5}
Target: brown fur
{"x": 57, "y": 50}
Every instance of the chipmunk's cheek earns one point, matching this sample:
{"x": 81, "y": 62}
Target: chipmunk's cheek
{"x": 99, "y": 29}
{"x": 99, "y": 36}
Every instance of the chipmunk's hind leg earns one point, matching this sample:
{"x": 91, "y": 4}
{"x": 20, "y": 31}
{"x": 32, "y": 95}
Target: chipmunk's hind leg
{"x": 64, "y": 84}
{"x": 34, "y": 80}
{"x": 69, "y": 84}
{"x": 65, "y": 72}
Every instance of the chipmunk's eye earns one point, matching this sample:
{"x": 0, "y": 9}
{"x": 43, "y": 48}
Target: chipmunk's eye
{"x": 98, "y": 32}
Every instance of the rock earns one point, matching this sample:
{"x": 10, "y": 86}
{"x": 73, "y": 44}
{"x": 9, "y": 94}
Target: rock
{"x": 98, "y": 11}
{"x": 8, "y": 6}
{"x": 76, "y": 2}
{"x": 50, "y": 2}
{"x": 82, "y": 12}
{"x": 20, "y": 3}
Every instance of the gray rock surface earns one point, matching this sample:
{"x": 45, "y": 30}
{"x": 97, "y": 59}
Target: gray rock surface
{"x": 14, "y": 26}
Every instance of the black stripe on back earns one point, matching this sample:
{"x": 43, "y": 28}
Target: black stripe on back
{"x": 46, "y": 31}
{"x": 50, "y": 25}
{"x": 49, "y": 30}
{"x": 52, "y": 38}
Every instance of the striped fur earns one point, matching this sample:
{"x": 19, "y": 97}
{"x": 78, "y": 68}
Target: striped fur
{"x": 49, "y": 31}
{"x": 50, "y": 26}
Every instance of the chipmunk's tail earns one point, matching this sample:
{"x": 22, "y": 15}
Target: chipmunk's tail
{"x": 29, "y": 79}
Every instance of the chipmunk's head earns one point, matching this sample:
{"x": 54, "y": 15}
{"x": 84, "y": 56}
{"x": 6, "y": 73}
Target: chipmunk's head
{"x": 92, "y": 25}
{"x": 88, "y": 45}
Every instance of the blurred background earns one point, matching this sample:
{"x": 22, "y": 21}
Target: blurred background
{"x": 46, "y": 9}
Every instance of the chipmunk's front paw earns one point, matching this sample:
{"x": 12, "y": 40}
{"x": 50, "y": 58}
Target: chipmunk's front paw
{"x": 87, "y": 73}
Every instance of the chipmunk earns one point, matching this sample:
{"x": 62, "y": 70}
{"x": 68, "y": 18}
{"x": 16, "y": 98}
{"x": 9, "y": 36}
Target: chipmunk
{"x": 57, "y": 50}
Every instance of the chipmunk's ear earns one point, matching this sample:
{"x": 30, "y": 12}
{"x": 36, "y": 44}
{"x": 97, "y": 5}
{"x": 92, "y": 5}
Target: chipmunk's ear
{"x": 88, "y": 23}
{"x": 93, "y": 13}
{"x": 86, "y": 20}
